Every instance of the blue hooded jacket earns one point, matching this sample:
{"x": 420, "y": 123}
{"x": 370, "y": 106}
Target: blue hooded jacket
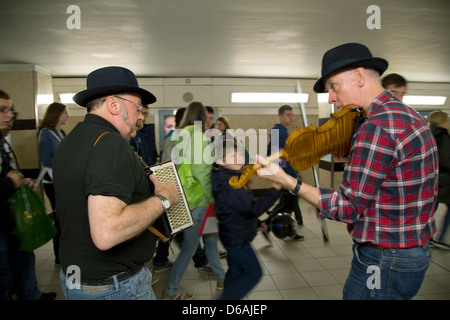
{"x": 283, "y": 134}
{"x": 236, "y": 209}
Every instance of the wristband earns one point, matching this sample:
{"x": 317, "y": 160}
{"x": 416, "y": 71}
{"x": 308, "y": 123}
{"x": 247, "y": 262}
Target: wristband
{"x": 297, "y": 187}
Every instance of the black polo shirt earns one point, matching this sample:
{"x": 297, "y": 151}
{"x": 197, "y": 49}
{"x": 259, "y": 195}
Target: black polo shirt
{"x": 110, "y": 168}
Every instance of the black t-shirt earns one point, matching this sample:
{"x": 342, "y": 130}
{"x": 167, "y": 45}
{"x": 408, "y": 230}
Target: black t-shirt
{"x": 110, "y": 168}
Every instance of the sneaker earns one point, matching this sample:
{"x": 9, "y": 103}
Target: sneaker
{"x": 48, "y": 296}
{"x": 222, "y": 254}
{"x": 167, "y": 266}
{"x": 299, "y": 237}
{"x": 441, "y": 245}
{"x": 206, "y": 270}
{"x": 178, "y": 296}
{"x": 220, "y": 285}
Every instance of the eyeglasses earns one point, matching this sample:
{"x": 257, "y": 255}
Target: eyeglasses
{"x": 6, "y": 110}
{"x": 138, "y": 106}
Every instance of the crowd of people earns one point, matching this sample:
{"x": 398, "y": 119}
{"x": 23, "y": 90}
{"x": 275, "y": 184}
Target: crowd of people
{"x": 396, "y": 174}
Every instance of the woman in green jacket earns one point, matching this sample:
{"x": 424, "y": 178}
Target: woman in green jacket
{"x": 193, "y": 147}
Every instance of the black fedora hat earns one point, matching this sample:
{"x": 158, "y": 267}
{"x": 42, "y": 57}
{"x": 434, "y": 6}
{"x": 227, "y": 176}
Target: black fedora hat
{"x": 348, "y": 55}
{"x": 111, "y": 80}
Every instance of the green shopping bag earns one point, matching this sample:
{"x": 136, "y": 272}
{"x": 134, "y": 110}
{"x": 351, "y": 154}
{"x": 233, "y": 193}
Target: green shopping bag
{"x": 192, "y": 188}
{"x": 34, "y": 227}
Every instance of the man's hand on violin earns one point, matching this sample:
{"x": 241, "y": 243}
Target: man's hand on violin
{"x": 271, "y": 172}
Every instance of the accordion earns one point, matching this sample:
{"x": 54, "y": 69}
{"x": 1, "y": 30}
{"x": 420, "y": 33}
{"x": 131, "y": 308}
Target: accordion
{"x": 178, "y": 218}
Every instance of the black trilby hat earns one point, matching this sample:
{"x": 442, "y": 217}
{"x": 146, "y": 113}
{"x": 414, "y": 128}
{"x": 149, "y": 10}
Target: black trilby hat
{"x": 111, "y": 80}
{"x": 348, "y": 55}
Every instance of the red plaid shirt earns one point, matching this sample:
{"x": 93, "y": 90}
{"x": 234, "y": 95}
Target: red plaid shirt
{"x": 389, "y": 188}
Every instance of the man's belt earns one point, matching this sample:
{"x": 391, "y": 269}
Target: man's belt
{"x": 110, "y": 280}
{"x": 370, "y": 245}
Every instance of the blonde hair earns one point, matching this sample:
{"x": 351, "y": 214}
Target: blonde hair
{"x": 437, "y": 118}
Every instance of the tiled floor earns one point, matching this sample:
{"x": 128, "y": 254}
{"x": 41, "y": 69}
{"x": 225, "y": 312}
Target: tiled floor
{"x": 293, "y": 270}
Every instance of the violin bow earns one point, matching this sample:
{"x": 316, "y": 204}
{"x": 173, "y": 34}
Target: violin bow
{"x": 314, "y": 169}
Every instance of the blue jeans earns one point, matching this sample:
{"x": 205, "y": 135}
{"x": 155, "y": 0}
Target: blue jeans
{"x": 244, "y": 272}
{"x": 190, "y": 243}
{"x": 17, "y": 270}
{"x": 136, "y": 287}
{"x": 386, "y": 274}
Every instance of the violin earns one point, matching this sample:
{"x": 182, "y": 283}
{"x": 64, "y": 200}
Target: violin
{"x": 304, "y": 147}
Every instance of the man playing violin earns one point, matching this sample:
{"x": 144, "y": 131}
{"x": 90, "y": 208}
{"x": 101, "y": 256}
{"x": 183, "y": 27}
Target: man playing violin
{"x": 389, "y": 187}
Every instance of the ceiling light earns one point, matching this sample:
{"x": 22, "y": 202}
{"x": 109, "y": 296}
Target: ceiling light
{"x": 66, "y": 97}
{"x": 322, "y": 97}
{"x": 424, "y": 100}
{"x": 44, "y": 98}
{"x": 268, "y": 97}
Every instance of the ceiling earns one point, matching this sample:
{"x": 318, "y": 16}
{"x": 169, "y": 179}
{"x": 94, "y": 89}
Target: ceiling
{"x": 224, "y": 38}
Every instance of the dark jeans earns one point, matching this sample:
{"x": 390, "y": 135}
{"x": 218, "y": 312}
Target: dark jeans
{"x": 17, "y": 270}
{"x": 243, "y": 273}
{"x": 50, "y": 192}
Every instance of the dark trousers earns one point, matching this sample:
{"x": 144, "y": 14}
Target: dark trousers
{"x": 50, "y": 192}
{"x": 243, "y": 274}
{"x": 288, "y": 203}
{"x": 17, "y": 270}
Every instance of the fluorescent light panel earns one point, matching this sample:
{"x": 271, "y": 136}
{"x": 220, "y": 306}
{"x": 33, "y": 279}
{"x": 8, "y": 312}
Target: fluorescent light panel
{"x": 268, "y": 97}
{"x": 322, "y": 97}
{"x": 424, "y": 100}
{"x": 66, "y": 97}
{"x": 411, "y": 100}
{"x": 44, "y": 98}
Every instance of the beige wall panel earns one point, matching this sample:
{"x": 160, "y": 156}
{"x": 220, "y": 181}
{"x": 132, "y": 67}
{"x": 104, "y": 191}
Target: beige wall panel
{"x": 20, "y": 87}
{"x": 24, "y": 143}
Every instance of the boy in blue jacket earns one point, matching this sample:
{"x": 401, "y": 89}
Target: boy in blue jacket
{"x": 237, "y": 213}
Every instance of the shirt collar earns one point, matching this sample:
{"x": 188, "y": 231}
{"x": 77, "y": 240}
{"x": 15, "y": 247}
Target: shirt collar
{"x": 95, "y": 119}
{"x": 382, "y": 98}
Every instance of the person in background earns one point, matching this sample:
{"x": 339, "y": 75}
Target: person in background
{"x": 161, "y": 260}
{"x": 288, "y": 202}
{"x": 390, "y": 181}
{"x": 396, "y": 84}
{"x": 201, "y": 170}
{"x": 144, "y": 141}
{"x": 166, "y": 145}
{"x": 440, "y": 125}
{"x": 223, "y": 124}
{"x": 50, "y": 135}
{"x": 17, "y": 268}
{"x": 210, "y": 117}
{"x": 238, "y": 213}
